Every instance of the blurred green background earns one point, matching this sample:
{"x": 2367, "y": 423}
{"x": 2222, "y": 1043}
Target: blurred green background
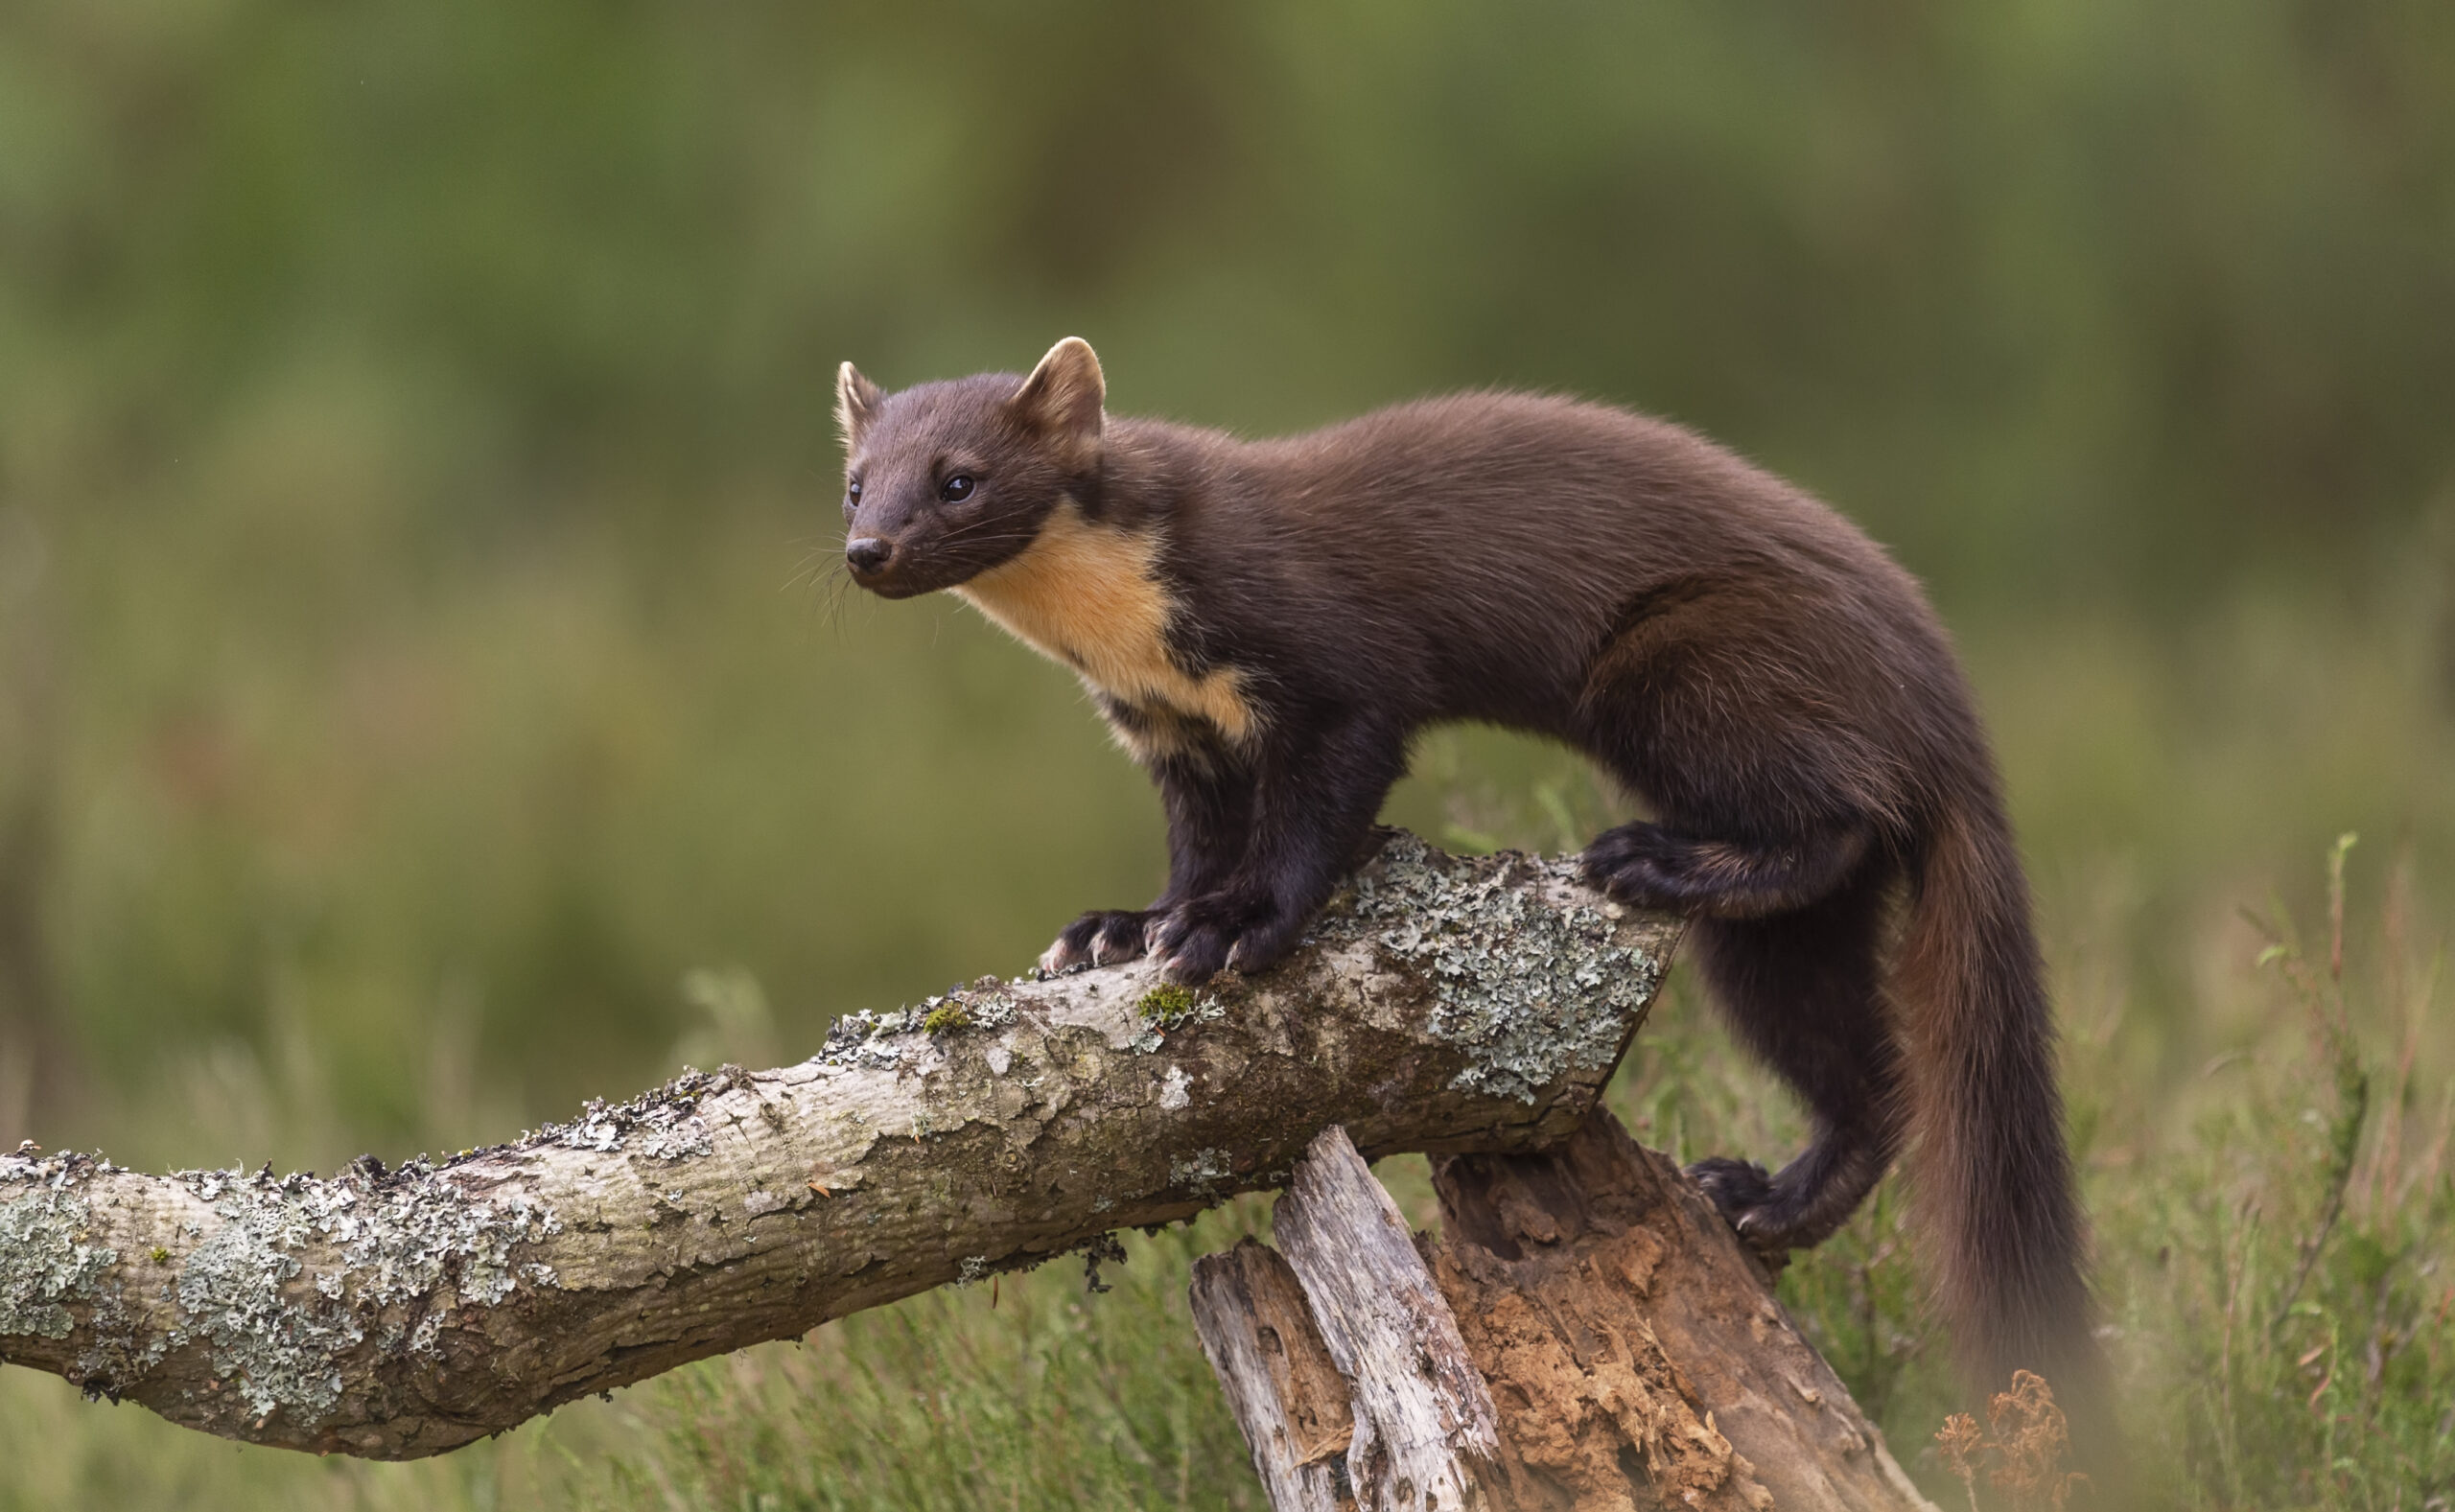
{"x": 425, "y": 700}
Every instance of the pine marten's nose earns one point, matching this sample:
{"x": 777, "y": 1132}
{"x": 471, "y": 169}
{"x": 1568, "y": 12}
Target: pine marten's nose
{"x": 867, "y": 555}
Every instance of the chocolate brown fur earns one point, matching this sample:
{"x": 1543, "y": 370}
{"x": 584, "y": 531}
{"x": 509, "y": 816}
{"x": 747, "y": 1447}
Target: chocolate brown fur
{"x": 1267, "y": 624}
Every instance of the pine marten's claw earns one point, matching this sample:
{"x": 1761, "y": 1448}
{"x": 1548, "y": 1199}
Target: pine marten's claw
{"x": 1738, "y": 1188}
{"x": 1198, "y": 940}
{"x": 1102, "y": 936}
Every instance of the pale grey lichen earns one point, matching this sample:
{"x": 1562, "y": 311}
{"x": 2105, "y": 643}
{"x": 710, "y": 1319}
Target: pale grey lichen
{"x": 1200, "y": 1171}
{"x": 665, "y": 1120}
{"x": 65, "y": 1168}
{"x": 232, "y": 1291}
{"x": 121, "y": 1351}
{"x": 865, "y": 1040}
{"x": 589, "y": 1131}
{"x": 1529, "y": 989}
{"x": 677, "y": 1140}
{"x": 426, "y": 1233}
{"x": 383, "y": 1252}
{"x": 46, "y": 1261}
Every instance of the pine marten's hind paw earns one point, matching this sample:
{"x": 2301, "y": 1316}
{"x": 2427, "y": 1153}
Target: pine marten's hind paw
{"x": 1640, "y": 864}
{"x": 1742, "y": 1192}
{"x": 1100, "y": 938}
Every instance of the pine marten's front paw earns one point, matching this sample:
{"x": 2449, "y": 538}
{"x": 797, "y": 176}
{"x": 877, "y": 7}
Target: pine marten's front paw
{"x": 1100, "y": 938}
{"x": 1232, "y": 928}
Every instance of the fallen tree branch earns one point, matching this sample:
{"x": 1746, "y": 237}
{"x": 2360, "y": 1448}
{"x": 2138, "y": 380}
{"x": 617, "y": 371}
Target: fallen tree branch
{"x": 1441, "y": 1003}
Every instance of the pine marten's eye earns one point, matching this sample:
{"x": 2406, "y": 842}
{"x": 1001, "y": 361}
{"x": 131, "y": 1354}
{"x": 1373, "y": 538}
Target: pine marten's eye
{"x": 853, "y": 490}
{"x": 956, "y": 489}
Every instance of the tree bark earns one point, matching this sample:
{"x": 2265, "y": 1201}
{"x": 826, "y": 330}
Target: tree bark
{"x": 1426, "y": 1433}
{"x": 1637, "y": 1351}
{"x": 1586, "y": 1335}
{"x": 1441, "y": 1004}
{"x": 1282, "y": 1386}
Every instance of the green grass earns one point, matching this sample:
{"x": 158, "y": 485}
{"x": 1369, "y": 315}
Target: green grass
{"x": 1028, "y": 1391}
{"x": 2282, "y": 1278}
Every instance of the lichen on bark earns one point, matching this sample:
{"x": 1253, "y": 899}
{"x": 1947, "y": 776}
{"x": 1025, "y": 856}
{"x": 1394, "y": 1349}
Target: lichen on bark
{"x": 1443, "y": 1003}
{"x": 44, "y": 1260}
{"x": 1529, "y": 975}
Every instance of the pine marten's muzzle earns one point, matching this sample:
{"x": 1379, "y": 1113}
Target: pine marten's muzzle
{"x": 868, "y": 555}
{"x": 887, "y": 567}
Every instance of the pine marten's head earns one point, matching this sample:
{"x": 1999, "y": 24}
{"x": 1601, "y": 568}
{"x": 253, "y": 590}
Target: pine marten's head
{"x": 946, "y": 480}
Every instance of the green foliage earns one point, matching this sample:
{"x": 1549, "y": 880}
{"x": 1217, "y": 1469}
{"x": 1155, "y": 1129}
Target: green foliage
{"x": 2284, "y": 1286}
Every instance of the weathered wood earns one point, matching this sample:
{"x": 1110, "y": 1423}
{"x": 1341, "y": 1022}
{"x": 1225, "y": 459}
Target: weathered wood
{"x": 1441, "y": 1003}
{"x": 1426, "y": 1433}
{"x": 1637, "y": 1353}
{"x": 1280, "y": 1384}
{"x": 1634, "y": 1355}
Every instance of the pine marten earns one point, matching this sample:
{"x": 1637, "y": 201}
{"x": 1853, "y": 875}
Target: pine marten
{"x": 1266, "y": 624}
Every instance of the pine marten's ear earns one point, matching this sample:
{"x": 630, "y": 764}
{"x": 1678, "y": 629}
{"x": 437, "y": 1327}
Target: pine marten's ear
{"x": 856, "y": 403}
{"x": 1062, "y": 399}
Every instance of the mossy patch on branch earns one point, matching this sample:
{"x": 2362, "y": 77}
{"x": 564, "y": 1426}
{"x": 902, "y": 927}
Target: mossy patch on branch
{"x": 1166, "y": 1001}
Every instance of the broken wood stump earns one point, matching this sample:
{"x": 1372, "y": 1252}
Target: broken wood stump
{"x": 1631, "y": 1354}
{"x": 1425, "y": 1426}
{"x": 1286, "y": 1393}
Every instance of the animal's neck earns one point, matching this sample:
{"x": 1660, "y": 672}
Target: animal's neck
{"x": 1089, "y": 596}
{"x": 1082, "y": 593}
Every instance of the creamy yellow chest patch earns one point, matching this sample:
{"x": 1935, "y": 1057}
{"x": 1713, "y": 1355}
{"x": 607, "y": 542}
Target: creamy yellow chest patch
{"x": 1090, "y": 598}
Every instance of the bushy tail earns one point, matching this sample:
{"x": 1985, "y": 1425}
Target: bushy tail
{"x": 1992, "y": 1168}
